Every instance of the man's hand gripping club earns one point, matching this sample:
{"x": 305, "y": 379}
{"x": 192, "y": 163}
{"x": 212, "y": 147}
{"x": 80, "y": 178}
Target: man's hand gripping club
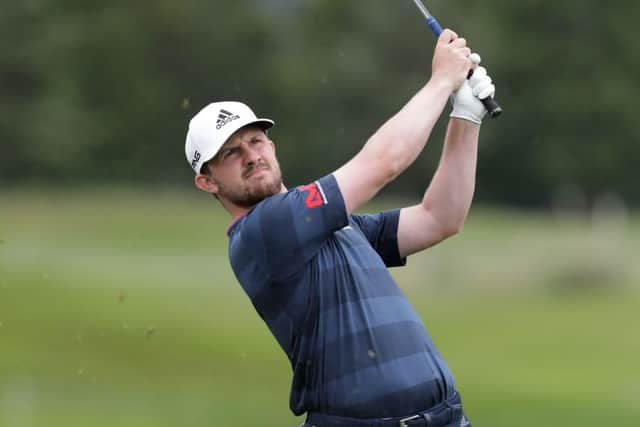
{"x": 466, "y": 100}
{"x": 452, "y": 62}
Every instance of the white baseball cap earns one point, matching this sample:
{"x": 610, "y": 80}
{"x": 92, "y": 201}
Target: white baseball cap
{"x": 212, "y": 126}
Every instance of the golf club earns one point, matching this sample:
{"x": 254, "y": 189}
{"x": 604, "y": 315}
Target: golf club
{"x": 489, "y": 103}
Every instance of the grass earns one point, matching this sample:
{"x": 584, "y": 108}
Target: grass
{"x": 118, "y": 308}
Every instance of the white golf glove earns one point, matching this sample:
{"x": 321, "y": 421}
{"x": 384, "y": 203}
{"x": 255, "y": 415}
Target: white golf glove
{"x": 466, "y": 100}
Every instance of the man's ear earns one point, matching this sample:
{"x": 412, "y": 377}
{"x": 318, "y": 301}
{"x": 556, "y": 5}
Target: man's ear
{"x": 206, "y": 183}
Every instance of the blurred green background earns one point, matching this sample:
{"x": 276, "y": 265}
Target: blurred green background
{"x": 117, "y": 304}
{"x": 118, "y": 308}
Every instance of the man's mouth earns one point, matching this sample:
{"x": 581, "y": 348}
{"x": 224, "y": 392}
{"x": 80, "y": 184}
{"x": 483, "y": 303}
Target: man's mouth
{"x": 255, "y": 171}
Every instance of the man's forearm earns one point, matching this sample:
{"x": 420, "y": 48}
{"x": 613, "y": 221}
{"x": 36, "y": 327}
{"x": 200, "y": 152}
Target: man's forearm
{"x": 393, "y": 147}
{"x": 401, "y": 139}
{"x": 450, "y": 193}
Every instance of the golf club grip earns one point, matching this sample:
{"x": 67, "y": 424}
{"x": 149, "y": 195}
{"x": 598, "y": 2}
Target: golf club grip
{"x": 434, "y": 25}
{"x": 489, "y": 103}
{"x": 492, "y": 107}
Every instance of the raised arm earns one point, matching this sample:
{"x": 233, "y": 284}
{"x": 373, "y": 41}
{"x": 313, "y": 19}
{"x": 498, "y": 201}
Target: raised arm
{"x": 398, "y": 142}
{"x": 447, "y": 200}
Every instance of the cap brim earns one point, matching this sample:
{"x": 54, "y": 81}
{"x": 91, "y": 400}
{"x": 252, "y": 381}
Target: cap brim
{"x": 264, "y": 124}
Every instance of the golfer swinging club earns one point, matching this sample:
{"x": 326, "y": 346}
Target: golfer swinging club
{"x": 317, "y": 273}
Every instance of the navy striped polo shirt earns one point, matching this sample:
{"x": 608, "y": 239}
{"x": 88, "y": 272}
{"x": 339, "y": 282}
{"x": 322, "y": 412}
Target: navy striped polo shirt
{"x": 319, "y": 280}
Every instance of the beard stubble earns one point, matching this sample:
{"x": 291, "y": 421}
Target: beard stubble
{"x": 250, "y": 194}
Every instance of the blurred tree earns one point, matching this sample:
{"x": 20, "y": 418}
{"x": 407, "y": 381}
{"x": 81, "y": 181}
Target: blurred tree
{"x": 103, "y": 92}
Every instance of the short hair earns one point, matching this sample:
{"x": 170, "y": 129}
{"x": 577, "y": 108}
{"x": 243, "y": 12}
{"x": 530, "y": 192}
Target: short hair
{"x": 204, "y": 169}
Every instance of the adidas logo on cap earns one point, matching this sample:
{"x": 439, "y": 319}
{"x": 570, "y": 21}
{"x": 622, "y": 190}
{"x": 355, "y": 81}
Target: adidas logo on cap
{"x": 225, "y": 117}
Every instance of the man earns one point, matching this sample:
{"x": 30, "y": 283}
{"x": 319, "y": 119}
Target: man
{"x": 317, "y": 273}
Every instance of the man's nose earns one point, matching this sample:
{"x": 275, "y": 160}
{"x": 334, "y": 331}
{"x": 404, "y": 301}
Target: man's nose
{"x": 250, "y": 155}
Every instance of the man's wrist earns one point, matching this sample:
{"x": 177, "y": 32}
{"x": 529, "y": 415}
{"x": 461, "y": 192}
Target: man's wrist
{"x": 464, "y": 119}
{"x": 440, "y": 84}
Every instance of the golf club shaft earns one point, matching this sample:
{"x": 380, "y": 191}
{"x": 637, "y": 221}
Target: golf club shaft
{"x": 489, "y": 103}
{"x": 431, "y": 21}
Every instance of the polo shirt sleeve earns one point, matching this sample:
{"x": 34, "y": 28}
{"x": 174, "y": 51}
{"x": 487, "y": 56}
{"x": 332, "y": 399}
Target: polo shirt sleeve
{"x": 381, "y": 230}
{"x": 290, "y": 228}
